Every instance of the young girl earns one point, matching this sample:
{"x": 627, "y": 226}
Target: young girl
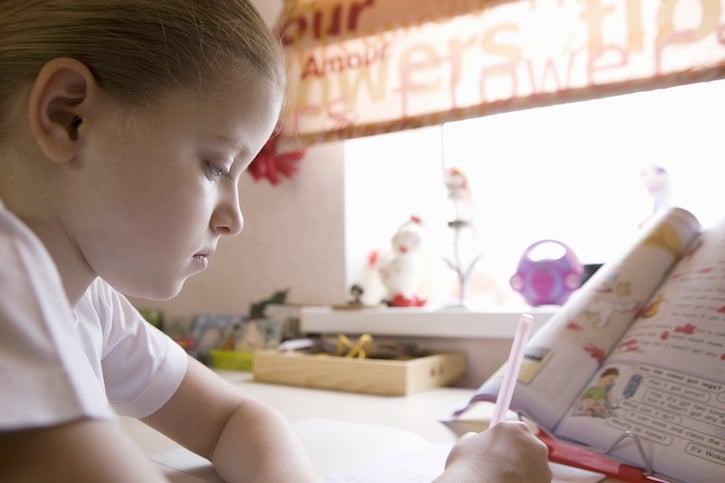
{"x": 124, "y": 128}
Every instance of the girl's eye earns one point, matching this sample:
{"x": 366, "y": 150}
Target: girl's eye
{"x": 214, "y": 171}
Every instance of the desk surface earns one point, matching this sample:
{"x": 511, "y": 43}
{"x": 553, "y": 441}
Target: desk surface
{"x": 418, "y": 413}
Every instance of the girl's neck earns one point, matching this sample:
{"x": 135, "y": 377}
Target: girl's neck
{"x": 74, "y": 272}
{"x": 24, "y": 194}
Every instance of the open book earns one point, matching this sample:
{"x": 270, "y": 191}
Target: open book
{"x": 633, "y": 364}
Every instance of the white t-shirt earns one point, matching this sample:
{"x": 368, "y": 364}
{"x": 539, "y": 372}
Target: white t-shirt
{"x": 58, "y": 364}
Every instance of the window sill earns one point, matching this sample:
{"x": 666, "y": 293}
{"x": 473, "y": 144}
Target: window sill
{"x": 421, "y": 322}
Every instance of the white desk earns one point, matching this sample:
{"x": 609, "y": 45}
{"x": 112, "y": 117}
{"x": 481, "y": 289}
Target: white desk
{"x": 418, "y": 413}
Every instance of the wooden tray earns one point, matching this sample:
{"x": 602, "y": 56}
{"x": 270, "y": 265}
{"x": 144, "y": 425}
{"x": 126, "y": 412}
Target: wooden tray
{"x": 368, "y": 376}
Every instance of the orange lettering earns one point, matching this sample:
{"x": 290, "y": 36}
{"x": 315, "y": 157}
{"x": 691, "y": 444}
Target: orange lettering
{"x": 326, "y": 23}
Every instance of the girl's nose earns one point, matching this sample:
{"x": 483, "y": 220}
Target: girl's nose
{"x": 227, "y": 218}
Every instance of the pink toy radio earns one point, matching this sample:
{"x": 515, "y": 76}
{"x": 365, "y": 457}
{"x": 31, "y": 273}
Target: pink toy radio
{"x": 542, "y": 279}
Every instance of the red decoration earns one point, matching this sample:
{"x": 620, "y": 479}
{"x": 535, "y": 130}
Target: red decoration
{"x": 401, "y": 300}
{"x": 269, "y": 164}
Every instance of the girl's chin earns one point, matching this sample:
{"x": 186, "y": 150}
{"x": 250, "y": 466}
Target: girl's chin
{"x": 157, "y": 293}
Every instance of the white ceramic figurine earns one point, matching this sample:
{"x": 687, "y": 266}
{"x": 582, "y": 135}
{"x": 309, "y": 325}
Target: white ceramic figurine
{"x": 402, "y": 272}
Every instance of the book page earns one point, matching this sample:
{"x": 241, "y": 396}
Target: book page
{"x": 563, "y": 355}
{"x": 426, "y": 464}
{"x": 665, "y": 380}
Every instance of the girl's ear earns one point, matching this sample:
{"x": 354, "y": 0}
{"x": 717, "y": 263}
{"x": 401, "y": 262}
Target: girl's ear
{"x": 59, "y": 99}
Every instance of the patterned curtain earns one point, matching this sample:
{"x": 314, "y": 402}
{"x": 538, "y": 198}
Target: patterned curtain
{"x": 363, "y": 67}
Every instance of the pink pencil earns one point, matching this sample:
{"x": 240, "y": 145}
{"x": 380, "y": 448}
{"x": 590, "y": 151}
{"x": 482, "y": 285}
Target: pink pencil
{"x": 511, "y": 372}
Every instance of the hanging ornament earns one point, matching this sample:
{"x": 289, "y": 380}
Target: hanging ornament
{"x": 465, "y": 250}
{"x": 269, "y": 164}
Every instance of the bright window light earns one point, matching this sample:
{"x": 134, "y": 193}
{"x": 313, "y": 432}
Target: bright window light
{"x": 573, "y": 172}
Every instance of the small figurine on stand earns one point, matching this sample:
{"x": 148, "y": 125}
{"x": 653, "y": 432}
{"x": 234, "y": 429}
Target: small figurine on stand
{"x": 355, "y": 299}
{"x": 656, "y": 181}
{"x": 459, "y": 194}
{"x": 402, "y": 272}
{"x": 356, "y": 293}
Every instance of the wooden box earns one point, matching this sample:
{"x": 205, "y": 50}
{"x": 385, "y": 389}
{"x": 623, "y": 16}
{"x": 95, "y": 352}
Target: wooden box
{"x": 370, "y": 376}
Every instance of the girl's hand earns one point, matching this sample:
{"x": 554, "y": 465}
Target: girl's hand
{"x": 508, "y": 452}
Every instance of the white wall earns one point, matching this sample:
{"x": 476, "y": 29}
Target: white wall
{"x": 269, "y": 9}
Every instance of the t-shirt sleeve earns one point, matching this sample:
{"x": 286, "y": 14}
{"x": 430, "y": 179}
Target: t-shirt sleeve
{"x": 142, "y": 366}
{"x": 44, "y": 373}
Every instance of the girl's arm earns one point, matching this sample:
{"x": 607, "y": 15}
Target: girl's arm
{"x": 81, "y": 451}
{"x": 245, "y": 439}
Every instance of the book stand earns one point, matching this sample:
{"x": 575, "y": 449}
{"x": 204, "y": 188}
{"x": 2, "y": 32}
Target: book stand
{"x": 572, "y": 454}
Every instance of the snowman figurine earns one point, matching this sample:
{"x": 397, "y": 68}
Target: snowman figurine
{"x": 402, "y": 271}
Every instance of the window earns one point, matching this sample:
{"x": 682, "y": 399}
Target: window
{"x": 572, "y": 172}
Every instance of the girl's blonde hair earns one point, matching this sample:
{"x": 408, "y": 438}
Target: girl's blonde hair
{"x": 136, "y": 49}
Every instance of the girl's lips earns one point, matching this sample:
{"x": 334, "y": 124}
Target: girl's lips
{"x": 202, "y": 260}
{"x": 206, "y": 253}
